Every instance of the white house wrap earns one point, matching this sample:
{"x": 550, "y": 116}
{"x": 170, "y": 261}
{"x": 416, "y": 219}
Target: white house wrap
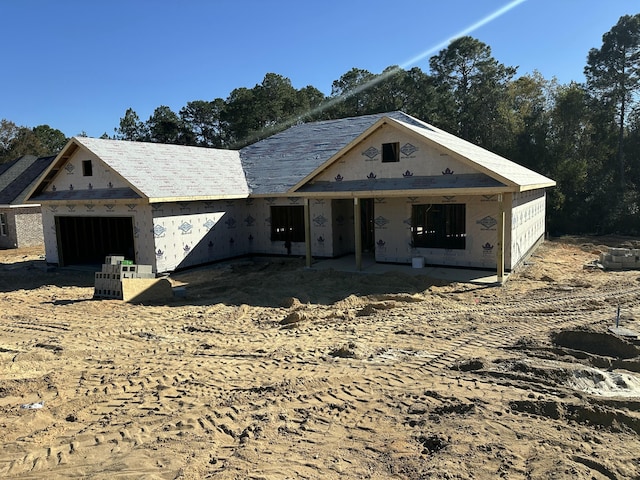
{"x": 388, "y": 185}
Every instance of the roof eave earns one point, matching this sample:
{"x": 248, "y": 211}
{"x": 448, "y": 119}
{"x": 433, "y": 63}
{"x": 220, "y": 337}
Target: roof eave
{"x": 21, "y": 205}
{"x": 197, "y": 198}
{"x": 406, "y": 193}
{"x": 536, "y": 186}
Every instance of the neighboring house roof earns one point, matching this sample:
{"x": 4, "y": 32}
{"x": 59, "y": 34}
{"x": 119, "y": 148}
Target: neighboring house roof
{"x": 276, "y": 164}
{"x": 160, "y": 172}
{"x": 18, "y": 177}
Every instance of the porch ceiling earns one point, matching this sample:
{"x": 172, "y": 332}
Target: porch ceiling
{"x": 431, "y": 185}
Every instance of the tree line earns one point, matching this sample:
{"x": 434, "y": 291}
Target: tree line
{"x": 586, "y": 136}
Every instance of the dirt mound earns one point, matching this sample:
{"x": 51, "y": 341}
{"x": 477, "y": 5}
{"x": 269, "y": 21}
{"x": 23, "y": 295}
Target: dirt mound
{"x": 598, "y": 343}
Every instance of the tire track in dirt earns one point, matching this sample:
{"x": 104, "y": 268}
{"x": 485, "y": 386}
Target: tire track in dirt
{"x": 527, "y": 318}
{"x": 229, "y": 376}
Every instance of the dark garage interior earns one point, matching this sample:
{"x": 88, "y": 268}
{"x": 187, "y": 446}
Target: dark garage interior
{"x": 88, "y": 240}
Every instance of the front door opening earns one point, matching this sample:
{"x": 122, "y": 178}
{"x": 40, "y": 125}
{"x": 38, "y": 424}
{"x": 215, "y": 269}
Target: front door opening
{"x": 367, "y": 225}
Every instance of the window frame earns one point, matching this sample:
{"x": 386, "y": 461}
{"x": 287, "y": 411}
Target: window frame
{"x": 287, "y": 223}
{"x": 439, "y": 226}
{"x": 391, "y": 152}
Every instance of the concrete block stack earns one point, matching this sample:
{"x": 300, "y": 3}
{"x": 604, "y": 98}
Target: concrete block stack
{"x": 621, "y": 259}
{"x": 108, "y": 282}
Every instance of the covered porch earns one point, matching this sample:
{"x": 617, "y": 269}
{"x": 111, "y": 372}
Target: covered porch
{"x": 362, "y": 259}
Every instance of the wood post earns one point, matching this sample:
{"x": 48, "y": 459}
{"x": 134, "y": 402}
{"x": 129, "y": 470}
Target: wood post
{"x": 357, "y": 220}
{"x": 500, "y": 240}
{"x": 307, "y": 232}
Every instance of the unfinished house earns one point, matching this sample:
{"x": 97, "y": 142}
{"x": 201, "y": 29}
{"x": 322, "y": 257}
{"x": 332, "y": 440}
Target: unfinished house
{"x": 20, "y": 223}
{"x": 387, "y": 185}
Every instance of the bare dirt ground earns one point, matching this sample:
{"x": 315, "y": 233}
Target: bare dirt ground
{"x": 266, "y": 370}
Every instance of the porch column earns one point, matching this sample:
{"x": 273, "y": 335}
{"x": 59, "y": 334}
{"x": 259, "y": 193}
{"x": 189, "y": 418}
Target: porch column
{"x": 357, "y": 218}
{"x": 307, "y": 232}
{"x": 500, "y": 240}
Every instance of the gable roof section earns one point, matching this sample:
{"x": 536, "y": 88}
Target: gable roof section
{"x": 162, "y": 172}
{"x": 504, "y": 170}
{"x": 17, "y": 178}
{"x": 499, "y": 170}
{"x": 278, "y": 163}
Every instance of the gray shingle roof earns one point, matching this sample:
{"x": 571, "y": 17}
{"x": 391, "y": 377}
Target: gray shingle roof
{"x": 276, "y": 164}
{"x": 17, "y": 178}
{"x": 160, "y": 171}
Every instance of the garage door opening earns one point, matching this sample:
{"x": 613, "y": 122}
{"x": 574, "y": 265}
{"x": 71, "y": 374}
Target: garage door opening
{"x": 87, "y": 240}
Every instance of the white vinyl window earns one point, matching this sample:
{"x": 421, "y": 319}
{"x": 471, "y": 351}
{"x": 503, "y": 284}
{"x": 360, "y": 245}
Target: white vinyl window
{"x": 3, "y": 225}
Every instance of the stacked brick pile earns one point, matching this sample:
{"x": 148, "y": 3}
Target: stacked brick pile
{"x": 621, "y": 259}
{"x": 108, "y": 282}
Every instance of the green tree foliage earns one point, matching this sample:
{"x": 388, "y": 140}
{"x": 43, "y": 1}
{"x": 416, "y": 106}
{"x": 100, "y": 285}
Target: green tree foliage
{"x": 420, "y": 95}
{"x": 310, "y": 101}
{"x": 241, "y": 115}
{"x": 8, "y": 134}
{"x": 523, "y": 121}
{"x": 51, "y": 139}
{"x": 202, "y": 123}
{"x": 613, "y": 75}
{"x": 471, "y": 85}
{"x": 570, "y": 143}
{"x": 131, "y": 128}
{"x": 350, "y": 95}
{"x": 585, "y": 136}
{"x": 165, "y": 126}
{"x": 16, "y": 141}
{"x": 268, "y": 107}
{"x": 277, "y": 100}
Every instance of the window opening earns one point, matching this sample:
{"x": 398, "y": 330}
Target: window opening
{"x": 390, "y": 152}
{"x": 287, "y": 223}
{"x": 439, "y": 226}
{"x": 87, "y": 168}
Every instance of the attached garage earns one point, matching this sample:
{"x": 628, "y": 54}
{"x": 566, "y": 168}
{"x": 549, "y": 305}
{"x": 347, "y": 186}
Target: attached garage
{"x": 87, "y": 240}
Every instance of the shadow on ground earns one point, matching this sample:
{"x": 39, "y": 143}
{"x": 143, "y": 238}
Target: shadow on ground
{"x": 274, "y": 283}
{"x": 32, "y": 274}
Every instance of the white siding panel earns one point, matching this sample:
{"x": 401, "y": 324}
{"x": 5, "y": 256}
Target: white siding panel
{"x": 527, "y": 223}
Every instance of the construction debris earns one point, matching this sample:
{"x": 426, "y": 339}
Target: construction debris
{"x": 621, "y": 259}
{"x": 123, "y": 280}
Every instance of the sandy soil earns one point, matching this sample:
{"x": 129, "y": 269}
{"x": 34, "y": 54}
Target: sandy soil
{"x": 266, "y": 370}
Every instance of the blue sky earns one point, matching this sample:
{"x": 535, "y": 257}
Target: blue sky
{"x": 78, "y": 65}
